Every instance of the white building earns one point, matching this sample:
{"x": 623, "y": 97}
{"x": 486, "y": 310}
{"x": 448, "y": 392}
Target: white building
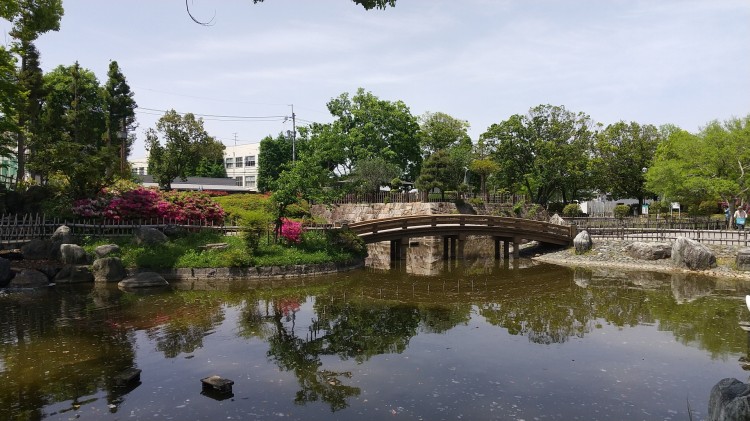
{"x": 241, "y": 163}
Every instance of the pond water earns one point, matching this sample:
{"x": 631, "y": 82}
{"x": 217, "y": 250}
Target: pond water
{"x": 475, "y": 340}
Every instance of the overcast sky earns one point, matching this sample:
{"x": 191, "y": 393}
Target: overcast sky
{"x": 654, "y": 62}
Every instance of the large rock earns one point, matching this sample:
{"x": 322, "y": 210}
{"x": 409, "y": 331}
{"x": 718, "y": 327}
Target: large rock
{"x": 5, "y": 273}
{"x": 648, "y": 251}
{"x": 72, "y": 254}
{"x": 743, "y": 259}
{"x": 37, "y": 249}
{"x": 106, "y": 250}
{"x": 74, "y": 274}
{"x": 558, "y": 220}
{"x": 149, "y": 236}
{"x": 30, "y": 278}
{"x": 729, "y": 400}
{"x": 143, "y": 280}
{"x": 108, "y": 269}
{"x": 583, "y": 242}
{"x": 692, "y": 254}
{"x": 62, "y": 235}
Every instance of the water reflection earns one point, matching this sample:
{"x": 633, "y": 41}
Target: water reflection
{"x": 343, "y": 339}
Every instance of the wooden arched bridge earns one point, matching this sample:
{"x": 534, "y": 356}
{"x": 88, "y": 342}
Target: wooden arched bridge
{"x": 455, "y": 228}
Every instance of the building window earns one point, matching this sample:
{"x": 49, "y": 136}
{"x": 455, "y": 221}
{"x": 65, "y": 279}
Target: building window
{"x": 238, "y": 162}
{"x": 238, "y": 181}
{"x": 250, "y": 161}
{"x": 141, "y": 171}
{"x": 250, "y": 181}
{"x": 230, "y": 163}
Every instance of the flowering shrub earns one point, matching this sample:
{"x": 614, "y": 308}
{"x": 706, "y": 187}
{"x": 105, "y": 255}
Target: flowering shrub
{"x": 143, "y": 203}
{"x": 291, "y": 231}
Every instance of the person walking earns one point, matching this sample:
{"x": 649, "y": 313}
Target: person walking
{"x": 739, "y": 218}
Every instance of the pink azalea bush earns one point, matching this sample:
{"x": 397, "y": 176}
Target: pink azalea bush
{"x": 291, "y": 231}
{"x": 143, "y": 203}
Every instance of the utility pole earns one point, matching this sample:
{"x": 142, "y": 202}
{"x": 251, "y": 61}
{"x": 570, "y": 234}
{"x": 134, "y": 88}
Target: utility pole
{"x": 294, "y": 132}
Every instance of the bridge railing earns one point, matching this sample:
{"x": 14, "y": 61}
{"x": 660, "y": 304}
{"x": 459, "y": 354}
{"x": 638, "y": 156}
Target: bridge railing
{"x": 511, "y": 224}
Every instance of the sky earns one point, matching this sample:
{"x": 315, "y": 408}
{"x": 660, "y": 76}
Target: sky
{"x": 679, "y": 62}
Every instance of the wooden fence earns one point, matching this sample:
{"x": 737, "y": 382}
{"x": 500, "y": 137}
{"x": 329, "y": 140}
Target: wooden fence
{"x": 641, "y": 229}
{"x": 19, "y": 229}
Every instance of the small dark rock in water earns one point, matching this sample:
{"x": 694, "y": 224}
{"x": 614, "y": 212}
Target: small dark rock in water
{"x": 218, "y": 384}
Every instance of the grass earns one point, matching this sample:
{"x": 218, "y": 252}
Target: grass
{"x": 185, "y": 252}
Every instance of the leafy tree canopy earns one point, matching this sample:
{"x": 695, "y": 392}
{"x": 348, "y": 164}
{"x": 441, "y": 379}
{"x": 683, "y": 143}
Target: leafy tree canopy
{"x": 622, "y": 151}
{"x": 186, "y": 142}
{"x": 441, "y": 131}
{"x": 710, "y": 165}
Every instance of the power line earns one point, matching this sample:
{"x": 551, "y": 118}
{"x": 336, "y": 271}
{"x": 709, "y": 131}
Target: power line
{"x": 218, "y": 116}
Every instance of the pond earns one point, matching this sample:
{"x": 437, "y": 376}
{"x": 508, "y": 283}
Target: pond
{"x": 476, "y": 340}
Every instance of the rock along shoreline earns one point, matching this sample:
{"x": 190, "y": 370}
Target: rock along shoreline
{"x": 610, "y": 253}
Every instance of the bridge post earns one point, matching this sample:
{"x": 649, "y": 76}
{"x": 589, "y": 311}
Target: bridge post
{"x": 453, "y": 248}
{"x": 446, "y": 239}
{"x": 497, "y": 248}
{"x": 506, "y": 249}
{"x": 516, "y": 248}
{"x": 461, "y": 243}
{"x": 402, "y": 247}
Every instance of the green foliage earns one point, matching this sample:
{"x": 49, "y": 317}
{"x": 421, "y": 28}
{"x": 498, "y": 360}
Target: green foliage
{"x": 476, "y": 201}
{"x": 621, "y": 211}
{"x": 186, "y": 143}
{"x": 658, "y": 207}
{"x": 622, "y": 151}
{"x": 544, "y": 153}
{"x": 518, "y": 208}
{"x": 237, "y": 206}
{"x": 713, "y": 163}
{"x": 119, "y": 110}
{"x": 708, "y": 207}
{"x": 555, "y": 207}
{"x": 254, "y": 225}
{"x": 346, "y": 241}
{"x": 273, "y": 157}
{"x": 372, "y": 173}
{"x": 572, "y": 210}
{"x": 441, "y": 131}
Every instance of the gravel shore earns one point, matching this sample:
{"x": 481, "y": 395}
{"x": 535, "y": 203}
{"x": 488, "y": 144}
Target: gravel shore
{"x": 611, "y": 254}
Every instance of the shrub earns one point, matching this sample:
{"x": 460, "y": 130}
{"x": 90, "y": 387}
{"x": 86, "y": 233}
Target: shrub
{"x": 476, "y": 201}
{"x": 621, "y": 211}
{"x": 571, "y": 210}
{"x": 557, "y": 207}
{"x": 314, "y": 240}
{"x": 708, "y": 207}
{"x": 254, "y": 224}
{"x": 291, "y": 231}
{"x": 347, "y": 241}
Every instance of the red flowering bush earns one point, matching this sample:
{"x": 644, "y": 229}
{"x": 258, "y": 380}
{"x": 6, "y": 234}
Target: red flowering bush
{"x": 291, "y": 231}
{"x": 143, "y": 203}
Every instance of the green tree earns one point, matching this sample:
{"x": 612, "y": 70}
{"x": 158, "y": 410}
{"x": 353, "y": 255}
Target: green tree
{"x": 709, "y": 165}
{"x": 71, "y": 136}
{"x": 120, "y": 108}
{"x": 438, "y": 172}
{"x": 441, "y": 131}
{"x": 304, "y": 180}
{"x": 546, "y": 152}
{"x": 366, "y": 127}
{"x": 29, "y": 19}
{"x": 373, "y": 173}
{"x": 9, "y": 93}
{"x": 622, "y": 153}
{"x": 186, "y": 142}
{"x": 273, "y": 157}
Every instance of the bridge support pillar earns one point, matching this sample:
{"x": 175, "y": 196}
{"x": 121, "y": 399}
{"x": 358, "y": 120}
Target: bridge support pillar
{"x": 453, "y": 248}
{"x": 516, "y": 248}
{"x": 506, "y": 249}
{"x": 497, "y": 248}
{"x": 398, "y": 249}
{"x": 446, "y": 241}
{"x": 461, "y": 244}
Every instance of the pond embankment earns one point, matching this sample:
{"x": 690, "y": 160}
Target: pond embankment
{"x": 611, "y": 253}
